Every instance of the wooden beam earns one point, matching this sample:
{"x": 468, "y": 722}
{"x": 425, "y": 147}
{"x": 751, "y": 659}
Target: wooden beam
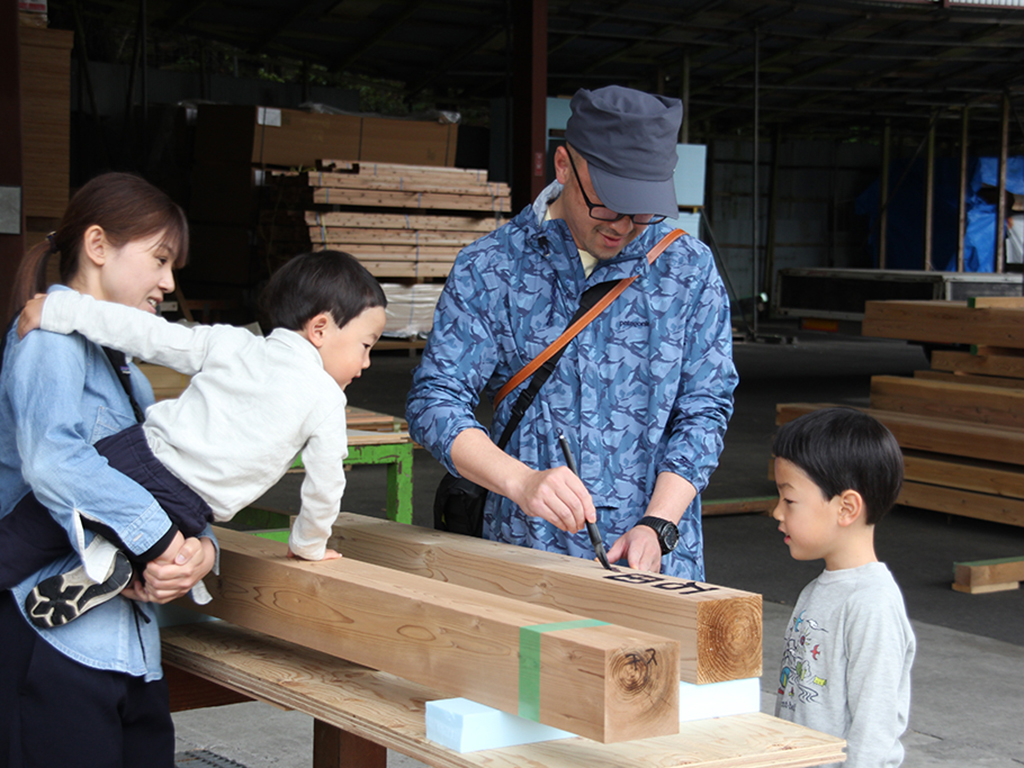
{"x": 985, "y": 365}
{"x": 955, "y": 501}
{"x": 718, "y": 629}
{"x": 594, "y": 679}
{"x": 1002, "y": 302}
{"x": 980, "y": 476}
{"x": 956, "y": 438}
{"x": 983, "y": 576}
{"x": 970, "y": 379}
{"x": 944, "y": 322}
{"x": 967, "y": 402}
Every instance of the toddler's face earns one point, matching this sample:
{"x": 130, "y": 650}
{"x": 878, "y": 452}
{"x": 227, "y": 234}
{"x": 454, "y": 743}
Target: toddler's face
{"x": 346, "y": 350}
{"x": 808, "y": 520}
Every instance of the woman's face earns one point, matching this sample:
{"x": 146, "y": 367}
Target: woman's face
{"x": 138, "y": 273}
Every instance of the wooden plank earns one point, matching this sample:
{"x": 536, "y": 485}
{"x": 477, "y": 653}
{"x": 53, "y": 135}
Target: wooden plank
{"x": 391, "y": 712}
{"x": 415, "y": 237}
{"x": 718, "y": 629}
{"x": 480, "y": 224}
{"x": 983, "y": 576}
{"x": 605, "y": 682}
{"x": 944, "y": 322}
{"x": 966, "y": 402}
{"x": 956, "y": 438}
{"x": 984, "y": 365}
{"x": 967, "y": 378}
{"x": 399, "y": 183}
{"x": 980, "y": 476}
{"x": 1003, "y": 302}
{"x": 954, "y": 501}
{"x": 448, "y": 174}
{"x": 420, "y": 200}
{"x": 757, "y": 504}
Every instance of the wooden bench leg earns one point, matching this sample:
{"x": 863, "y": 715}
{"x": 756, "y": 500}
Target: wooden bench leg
{"x": 335, "y": 748}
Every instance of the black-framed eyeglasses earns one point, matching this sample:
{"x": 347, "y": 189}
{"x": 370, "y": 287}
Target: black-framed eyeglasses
{"x": 601, "y": 213}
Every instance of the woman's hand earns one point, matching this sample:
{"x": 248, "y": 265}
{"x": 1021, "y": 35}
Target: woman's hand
{"x": 175, "y": 572}
{"x": 31, "y": 316}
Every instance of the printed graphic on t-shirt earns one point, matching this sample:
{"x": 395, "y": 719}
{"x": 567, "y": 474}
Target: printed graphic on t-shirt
{"x": 804, "y": 653}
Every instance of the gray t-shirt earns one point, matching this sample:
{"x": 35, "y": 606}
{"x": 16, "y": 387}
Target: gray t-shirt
{"x": 846, "y": 664}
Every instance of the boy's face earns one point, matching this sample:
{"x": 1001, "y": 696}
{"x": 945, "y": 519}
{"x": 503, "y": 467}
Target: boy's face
{"x": 346, "y": 350}
{"x": 809, "y": 520}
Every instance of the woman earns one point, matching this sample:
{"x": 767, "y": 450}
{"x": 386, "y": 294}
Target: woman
{"x": 90, "y": 693}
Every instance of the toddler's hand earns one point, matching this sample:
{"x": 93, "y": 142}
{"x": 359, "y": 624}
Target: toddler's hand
{"x": 31, "y": 315}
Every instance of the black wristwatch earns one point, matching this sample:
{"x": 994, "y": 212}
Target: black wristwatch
{"x": 668, "y": 533}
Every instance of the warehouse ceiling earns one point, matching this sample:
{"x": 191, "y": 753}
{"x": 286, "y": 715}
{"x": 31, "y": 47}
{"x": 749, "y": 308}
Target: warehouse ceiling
{"x": 836, "y": 67}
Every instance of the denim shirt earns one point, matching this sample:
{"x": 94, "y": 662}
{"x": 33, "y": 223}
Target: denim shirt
{"x": 645, "y": 388}
{"x": 58, "y": 396}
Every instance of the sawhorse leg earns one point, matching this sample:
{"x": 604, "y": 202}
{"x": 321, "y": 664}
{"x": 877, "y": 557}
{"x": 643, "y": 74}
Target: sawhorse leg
{"x": 335, "y": 748}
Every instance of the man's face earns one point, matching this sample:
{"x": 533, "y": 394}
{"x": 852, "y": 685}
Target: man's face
{"x": 601, "y": 239}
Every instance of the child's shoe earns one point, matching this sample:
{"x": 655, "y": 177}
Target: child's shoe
{"x": 59, "y": 599}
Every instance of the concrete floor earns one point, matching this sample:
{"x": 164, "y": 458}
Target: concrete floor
{"x": 968, "y": 678}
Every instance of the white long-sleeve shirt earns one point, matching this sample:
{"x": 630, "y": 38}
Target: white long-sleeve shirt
{"x": 254, "y": 403}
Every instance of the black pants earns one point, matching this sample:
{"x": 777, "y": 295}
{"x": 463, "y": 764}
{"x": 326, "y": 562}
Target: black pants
{"x": 56, "y": 712}
{"x": 30, "y": 538}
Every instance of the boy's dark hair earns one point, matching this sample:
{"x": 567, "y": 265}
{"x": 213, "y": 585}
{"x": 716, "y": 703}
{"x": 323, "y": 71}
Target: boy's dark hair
{"x": 844, "y": 449}
{"x": 322, "y": 281}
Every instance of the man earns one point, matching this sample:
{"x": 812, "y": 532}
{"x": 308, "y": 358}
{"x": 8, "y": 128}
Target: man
{"x": 643, "y": 393}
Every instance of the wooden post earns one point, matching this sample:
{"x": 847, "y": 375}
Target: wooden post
{"x": 883, "y": 196}
{"x": 12, "y": 243}
{"x": 594, "y": 679}
{"x": 1000, "y": 259}
{"x": 529, "y": 96}
{"x": 335, "y": 748}
{"x": 962, "y": 201}
{"x": 718, "y": 629}
{"x": 929, "y": 196}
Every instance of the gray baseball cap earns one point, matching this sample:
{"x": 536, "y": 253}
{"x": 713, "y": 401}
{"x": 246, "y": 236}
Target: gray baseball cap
{"x": 628, "y": 139}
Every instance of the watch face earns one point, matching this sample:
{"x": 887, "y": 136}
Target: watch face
{"x": 671, "y": 537}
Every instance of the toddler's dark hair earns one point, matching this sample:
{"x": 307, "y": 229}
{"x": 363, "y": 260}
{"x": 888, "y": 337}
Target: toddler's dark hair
{"x": 844, "y": 449}
{"x": 322, "y": 281}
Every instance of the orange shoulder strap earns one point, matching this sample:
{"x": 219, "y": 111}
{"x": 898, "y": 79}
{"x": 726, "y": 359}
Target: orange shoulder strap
{"x": 531, "y": 367}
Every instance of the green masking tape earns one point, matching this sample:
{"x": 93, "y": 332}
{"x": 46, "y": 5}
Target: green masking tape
{"x": 529, "y": 662}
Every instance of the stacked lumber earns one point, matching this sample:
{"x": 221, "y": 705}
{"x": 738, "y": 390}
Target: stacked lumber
{"x": 401, "y": 221}
{"x": 960, "y": 423}
{"x": 606, "y": 682}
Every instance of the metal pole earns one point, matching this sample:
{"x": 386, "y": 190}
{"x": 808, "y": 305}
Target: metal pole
{"x": 962, "y": 206}
{"x": 755, "y": 282}
{"x": 883, "y": 198}
{"x": 684, "y": 135}
{"x": 1001, "y": 204}
{"x": 929, "y": 196}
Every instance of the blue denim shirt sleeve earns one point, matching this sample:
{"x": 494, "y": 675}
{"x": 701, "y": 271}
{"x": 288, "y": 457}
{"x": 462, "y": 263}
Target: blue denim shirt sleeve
{"x": 47, "y": 375}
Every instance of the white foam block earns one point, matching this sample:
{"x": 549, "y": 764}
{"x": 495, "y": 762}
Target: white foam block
{"x": 465, "y": 726}
{"x": 732, "y": 697}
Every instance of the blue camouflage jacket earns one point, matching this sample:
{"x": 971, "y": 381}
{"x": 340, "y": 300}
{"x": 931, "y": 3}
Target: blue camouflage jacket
{"x": 645, "y": 388}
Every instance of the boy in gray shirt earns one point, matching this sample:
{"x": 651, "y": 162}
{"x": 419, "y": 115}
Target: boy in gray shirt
{"x": 849, "y": 645}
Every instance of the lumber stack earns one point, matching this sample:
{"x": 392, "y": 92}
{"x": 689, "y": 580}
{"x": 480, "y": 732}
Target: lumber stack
{"x": 961, "y": 422}
{"x": 606, "y": 682}
{"x": 401, "y": 221}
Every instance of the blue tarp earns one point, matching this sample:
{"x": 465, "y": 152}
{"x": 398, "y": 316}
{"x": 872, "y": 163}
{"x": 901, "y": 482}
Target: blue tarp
{"x": 905, "y": 238}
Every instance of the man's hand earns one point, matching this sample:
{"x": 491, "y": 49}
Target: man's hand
{"x": 640, "y": 548}
{"x": 31, "y": 315}
{"x": 181, "y": 566}
{"x": 558, "y": 496}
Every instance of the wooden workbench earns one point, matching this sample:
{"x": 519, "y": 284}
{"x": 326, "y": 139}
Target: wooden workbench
{"x": 360, "y": 713}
